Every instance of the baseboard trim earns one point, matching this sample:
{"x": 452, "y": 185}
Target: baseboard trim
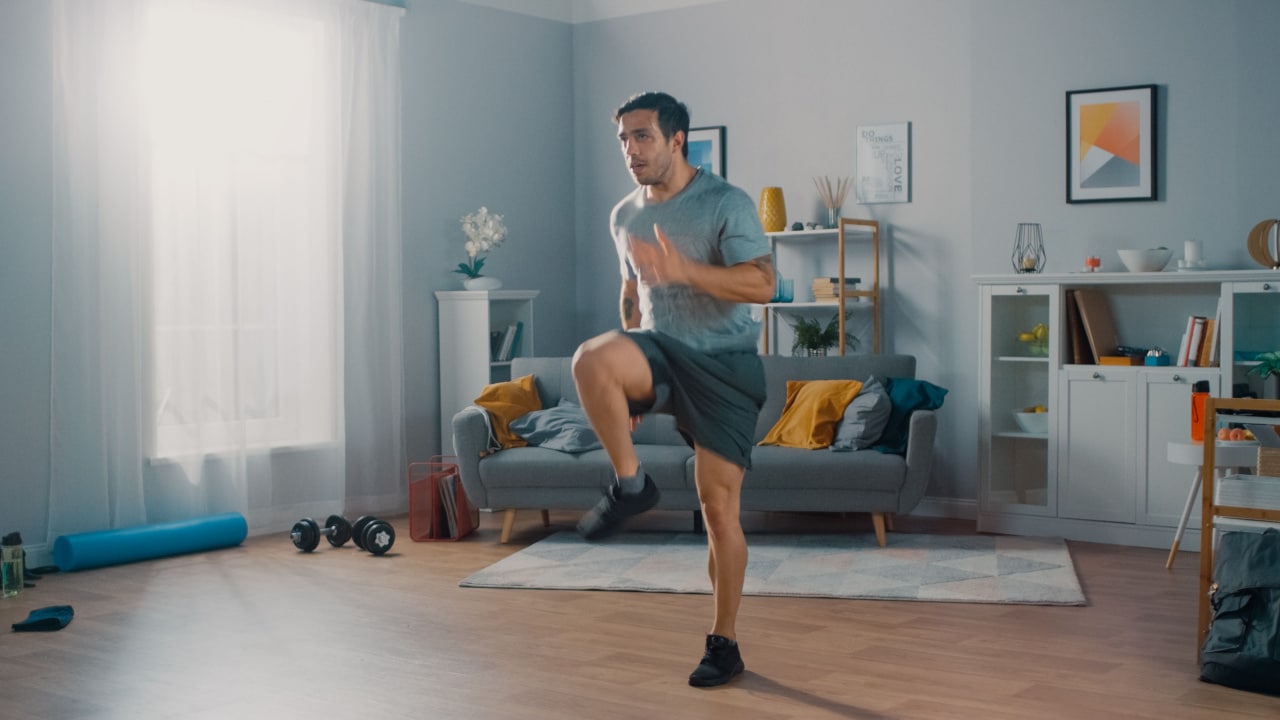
{"x": 38, "y": 555}
{"x": 1148, "y": 536}
{"x": 941, "y": 507}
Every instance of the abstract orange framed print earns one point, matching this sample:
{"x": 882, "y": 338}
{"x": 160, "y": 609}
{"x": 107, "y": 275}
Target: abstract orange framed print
{"x": 1111, "y": 144}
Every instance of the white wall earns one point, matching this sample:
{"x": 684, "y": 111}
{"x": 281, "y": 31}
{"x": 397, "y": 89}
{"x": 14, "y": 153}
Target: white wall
{"x": 487, "y": 99}
{"x": 513, "y": 111}
{"x": 487, "y": 121}
{"x": 983, "y": 83}
{"x": 26, "y": 206}
{"x": 792, "y": 82}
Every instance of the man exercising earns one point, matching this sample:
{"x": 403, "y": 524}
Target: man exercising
{"x": 692, "y": 253}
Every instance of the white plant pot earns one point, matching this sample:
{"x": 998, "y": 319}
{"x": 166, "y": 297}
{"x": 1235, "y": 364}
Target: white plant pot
{"x": 484, "y": 282}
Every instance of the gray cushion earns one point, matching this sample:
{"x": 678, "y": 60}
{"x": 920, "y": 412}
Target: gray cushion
{"x": 864, "y": 419}
{"x": 564, "y": 427}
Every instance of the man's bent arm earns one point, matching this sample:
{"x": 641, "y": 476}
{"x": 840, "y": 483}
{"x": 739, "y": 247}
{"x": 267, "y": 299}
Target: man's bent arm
{"x": 748, "y": 282}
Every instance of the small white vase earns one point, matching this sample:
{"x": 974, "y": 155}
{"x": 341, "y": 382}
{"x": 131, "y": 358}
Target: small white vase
{"x": 484, "y": 282}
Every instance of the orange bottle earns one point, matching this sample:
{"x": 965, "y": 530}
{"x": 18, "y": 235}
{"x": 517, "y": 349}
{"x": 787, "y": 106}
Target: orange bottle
{"x": 1199, "y": 392}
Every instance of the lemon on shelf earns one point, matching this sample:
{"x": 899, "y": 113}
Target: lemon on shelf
{"x": 1037, "y": 339}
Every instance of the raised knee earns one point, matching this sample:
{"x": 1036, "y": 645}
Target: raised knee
{"x": 589, "y": 359}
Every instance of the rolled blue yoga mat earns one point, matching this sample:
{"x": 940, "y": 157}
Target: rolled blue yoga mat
{"x": 144, "y": 542}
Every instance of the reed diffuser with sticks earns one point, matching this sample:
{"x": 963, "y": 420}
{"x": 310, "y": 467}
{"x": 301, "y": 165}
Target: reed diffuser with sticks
{"x": 832, "y": 196}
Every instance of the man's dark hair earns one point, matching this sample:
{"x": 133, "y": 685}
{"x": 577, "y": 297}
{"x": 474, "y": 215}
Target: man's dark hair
{"x": 673, "y": 116}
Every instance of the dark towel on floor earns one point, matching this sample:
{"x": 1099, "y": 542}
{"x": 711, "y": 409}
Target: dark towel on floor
{"x": 48, "y": 619}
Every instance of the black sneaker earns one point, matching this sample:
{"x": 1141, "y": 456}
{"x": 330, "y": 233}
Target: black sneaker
{"x": 720, "y": 663}
{"x": 606, "y": 517}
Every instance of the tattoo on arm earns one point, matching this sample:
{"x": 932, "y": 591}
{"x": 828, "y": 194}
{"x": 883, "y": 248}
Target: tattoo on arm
{"x": 628, "y": 305}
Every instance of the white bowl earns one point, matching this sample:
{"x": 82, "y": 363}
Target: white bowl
{"x": 1032, "y": 422}
{"x": 1152, "y": 260}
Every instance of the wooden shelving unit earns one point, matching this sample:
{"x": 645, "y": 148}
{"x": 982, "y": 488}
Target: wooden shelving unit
{"x": 1244, "y": 499}
{"x": 872, "y": 228}
{"x": 848, "y": 231}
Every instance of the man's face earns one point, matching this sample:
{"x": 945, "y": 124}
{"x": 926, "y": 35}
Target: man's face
{"x": 648, "y": 154}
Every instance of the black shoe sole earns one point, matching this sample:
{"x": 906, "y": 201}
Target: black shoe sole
{"x": 605, "y": 530}
{"x": 717, "y": 681}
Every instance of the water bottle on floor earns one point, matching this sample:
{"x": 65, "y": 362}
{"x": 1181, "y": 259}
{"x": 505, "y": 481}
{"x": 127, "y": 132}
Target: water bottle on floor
{"x": 11, "y": 565}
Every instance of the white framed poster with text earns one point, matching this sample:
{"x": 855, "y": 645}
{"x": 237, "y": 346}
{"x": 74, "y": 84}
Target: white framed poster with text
{"x": 884, "y": 163}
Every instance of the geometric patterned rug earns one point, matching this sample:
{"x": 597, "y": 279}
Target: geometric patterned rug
{"x": 934, "y": 568}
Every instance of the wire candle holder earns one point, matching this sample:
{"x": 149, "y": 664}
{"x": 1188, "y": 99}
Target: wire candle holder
{"x": 1028, "y": 249}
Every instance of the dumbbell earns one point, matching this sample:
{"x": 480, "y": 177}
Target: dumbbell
{"x": 306, "y": 532}
{"x": 370, "y": 533}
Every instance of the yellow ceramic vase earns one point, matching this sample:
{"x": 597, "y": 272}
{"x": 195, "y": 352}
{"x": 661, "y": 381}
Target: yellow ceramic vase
{"x": 773, "y": 210}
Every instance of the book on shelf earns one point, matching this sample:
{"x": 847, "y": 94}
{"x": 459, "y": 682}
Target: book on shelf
{"x": 515, "y": 341}
{"x": 508, "y": 339}
{"x": 828, "y": 288}
{"x": 1194, "y": 350}
{"x": 1180, "y": 360}
{"x": 1204, "y": 356}
{"x": 495, "y": 344}
{"x": 1077, "y": 342}
{"x": 1099, "y": 325}
{"x": 510, "y": 346}
{"x": 1214, "y": 333}
{"x": 1193, "y": 346}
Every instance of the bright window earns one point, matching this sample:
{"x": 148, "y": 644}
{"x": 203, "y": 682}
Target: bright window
{"x": 242, "y": 106}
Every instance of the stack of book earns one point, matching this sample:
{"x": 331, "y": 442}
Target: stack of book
{"x": 1199, "y": 346}
{"x": 505, "y": 344}
{"x": 828, "y": 288}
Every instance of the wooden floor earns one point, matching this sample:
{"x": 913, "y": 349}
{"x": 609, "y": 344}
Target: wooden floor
{"x": 262, "y": 631}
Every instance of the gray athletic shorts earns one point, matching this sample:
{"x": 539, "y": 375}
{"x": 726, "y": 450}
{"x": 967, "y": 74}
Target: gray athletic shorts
{"x": 715, "y": 397}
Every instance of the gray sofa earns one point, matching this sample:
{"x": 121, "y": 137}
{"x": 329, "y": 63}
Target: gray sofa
{"x": 781, "y": 478}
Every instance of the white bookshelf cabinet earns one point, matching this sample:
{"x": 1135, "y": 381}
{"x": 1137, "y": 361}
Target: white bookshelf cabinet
{"x": 466, "y": 317}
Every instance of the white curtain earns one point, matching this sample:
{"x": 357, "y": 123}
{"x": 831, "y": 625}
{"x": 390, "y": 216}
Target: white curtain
{"x": 226, "y": 261}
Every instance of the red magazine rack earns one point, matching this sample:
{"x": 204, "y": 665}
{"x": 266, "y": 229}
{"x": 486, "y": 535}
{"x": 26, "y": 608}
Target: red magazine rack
{"x": 438, "y": 506}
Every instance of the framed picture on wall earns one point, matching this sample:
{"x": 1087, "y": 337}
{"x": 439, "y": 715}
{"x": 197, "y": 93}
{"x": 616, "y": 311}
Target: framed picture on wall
{"x": 884, "y": 163}
{"x": 706, "y": 149}
{"x": 1111, "y": 144}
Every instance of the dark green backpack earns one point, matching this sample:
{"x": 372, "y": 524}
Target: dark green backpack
{"x": 1242, "y": 649}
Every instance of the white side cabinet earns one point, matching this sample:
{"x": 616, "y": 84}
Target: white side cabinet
{"x": 1101, "y": 472}
{"x": 466, "y": 319}
{"x": 1163, "y": 401}
{"x": 1097, "y": 449}
{"x": 1016, "y": 375}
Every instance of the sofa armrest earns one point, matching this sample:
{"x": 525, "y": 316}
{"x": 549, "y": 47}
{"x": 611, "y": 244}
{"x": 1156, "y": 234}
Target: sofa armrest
{"x": 470, "y": 443}
{"x": 920, "y": 446}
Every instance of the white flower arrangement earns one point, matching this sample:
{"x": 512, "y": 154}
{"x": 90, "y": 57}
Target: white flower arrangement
{"x": 485, "y": 231}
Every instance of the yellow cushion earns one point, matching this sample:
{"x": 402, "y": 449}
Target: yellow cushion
{"x": 811, "y": 413}
{"x": 507, "y": 401}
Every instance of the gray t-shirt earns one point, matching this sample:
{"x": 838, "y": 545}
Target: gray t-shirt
{"x": 711, "y": 222}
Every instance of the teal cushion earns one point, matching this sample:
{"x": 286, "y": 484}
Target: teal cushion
{"x": 907, "y": 396}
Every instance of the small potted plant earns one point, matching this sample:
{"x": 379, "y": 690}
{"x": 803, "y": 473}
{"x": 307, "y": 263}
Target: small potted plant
{"x": 1268, "y": 368}
{"x": 485, "y": 231}
{"x": 813, "y": 338}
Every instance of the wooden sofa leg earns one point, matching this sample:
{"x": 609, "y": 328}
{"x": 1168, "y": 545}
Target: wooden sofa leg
{"x": 546, "y": 519}
{"x": 508, "y": 522}
{"x": 877, "y": 519}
